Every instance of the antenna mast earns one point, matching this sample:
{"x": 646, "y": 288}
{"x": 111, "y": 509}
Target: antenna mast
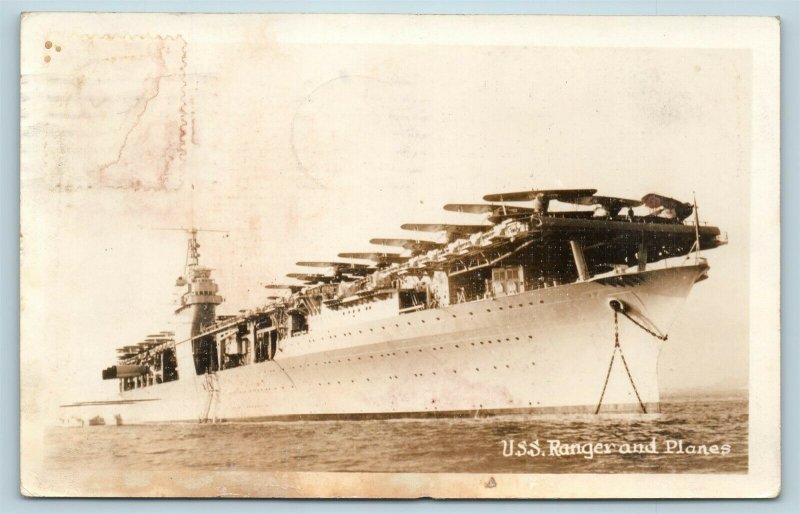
{"x": 696, "y": 229}
{"x": 193, "y": 246}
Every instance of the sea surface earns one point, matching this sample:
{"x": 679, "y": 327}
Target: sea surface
{"x": 689, "y": 436}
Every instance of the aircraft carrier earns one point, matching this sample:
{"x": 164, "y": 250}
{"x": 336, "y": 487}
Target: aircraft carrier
{"x": 559, "y": 301}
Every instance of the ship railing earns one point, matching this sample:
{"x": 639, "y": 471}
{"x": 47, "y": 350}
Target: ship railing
{"x": 413, "y": 308}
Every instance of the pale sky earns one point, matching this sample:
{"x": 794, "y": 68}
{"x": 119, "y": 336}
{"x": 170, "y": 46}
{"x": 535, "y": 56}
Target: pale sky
{"x": 306, "y": 138}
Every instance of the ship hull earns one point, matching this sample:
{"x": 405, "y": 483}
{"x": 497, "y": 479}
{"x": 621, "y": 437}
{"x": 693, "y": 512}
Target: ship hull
{"x": 543, "y": 351}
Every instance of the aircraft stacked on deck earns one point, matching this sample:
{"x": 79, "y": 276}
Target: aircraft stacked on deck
{"x": 516, "y": 313}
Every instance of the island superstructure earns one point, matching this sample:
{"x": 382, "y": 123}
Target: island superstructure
{"x": 534, "y": 309}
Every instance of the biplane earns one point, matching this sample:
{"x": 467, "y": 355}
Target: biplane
{"x": 415, "y": 246}
{"x": 541, "y": 198}
{"x": 381, "y": 259}
{"x": 340, "y": 268}
{"x": 293, "y": 288}
{"x": 450, "y": 231}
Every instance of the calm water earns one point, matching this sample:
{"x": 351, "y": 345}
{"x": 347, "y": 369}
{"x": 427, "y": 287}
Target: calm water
{"x": 452, "y": 445}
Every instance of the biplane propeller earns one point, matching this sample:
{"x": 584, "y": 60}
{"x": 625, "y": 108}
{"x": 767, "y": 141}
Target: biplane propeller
{"x": 670, "y": 206}
{"x": 415, "y": 246}
{"x": 496, "y": 212}
{"x": 382, "y": 259}
{"x": 610, "y": 204}
{"x": 452, "y": 232}
{"x": 541, "y": 198}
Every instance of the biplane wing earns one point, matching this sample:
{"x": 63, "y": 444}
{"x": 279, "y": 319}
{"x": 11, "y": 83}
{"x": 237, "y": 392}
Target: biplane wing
{"x": 444, "y": 227}
{"x": 541, "y": 198}
{"x": 313, "y": 278}
{"x": 488, "y": 208}
{"x": 562, "y": 195}
{"x": 414, "y": 245}
{"x": 497, "y": 212}
{"x": 384, "y": 258}
{"x": 290, "y": 287}
{"x": 682, "y": 210}
{"x": 345, "y": 268}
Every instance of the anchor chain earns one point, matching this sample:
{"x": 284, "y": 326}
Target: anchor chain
{"x": 651, "y": 332}
{"x": 617, "y": 347}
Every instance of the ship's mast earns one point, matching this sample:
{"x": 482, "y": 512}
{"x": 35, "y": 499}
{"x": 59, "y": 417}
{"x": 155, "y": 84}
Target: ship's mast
{"x": 192, "y": 263}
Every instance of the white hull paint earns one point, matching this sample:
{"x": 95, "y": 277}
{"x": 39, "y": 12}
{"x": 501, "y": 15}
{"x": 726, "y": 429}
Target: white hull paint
{"x": 541, "y": 351}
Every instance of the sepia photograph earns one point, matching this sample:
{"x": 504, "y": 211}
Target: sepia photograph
{"x": 398, "y": 256}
